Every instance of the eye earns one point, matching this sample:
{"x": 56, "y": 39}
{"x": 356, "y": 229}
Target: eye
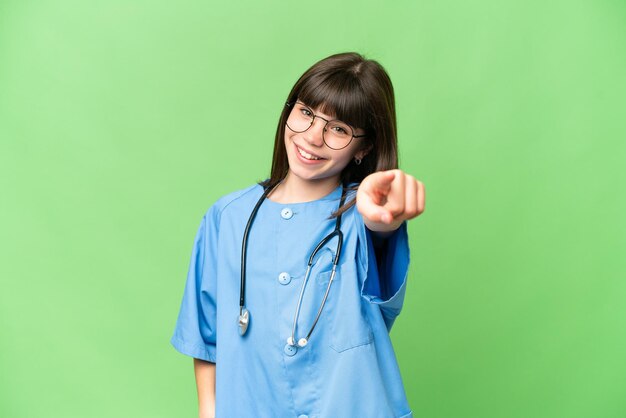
{"x": 339, "y": 130}
{"x": 306, "y": 112}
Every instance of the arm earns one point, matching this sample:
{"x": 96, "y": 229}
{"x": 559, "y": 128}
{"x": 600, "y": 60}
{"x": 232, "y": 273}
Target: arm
{"x": 386, "y": 200}
{"x": 205, "y": 381}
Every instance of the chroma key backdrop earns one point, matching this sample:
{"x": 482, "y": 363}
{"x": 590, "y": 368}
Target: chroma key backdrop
{"x": 121, "y": 122}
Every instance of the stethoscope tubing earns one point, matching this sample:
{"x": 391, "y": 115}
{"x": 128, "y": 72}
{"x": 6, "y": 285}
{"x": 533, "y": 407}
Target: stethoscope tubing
{"x": 244, "y": 245}
{"x": 244, "y": 316}
{"x": 337, "y": 232}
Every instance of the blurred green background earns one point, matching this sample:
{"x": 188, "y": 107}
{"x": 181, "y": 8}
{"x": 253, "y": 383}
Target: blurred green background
{"x": 121, "y": 122}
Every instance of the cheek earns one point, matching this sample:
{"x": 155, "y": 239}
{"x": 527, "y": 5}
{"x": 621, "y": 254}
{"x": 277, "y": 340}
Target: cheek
{"x": 287, "y": 142}
{"x": 348, "y": 154}
{"x": 344, "y": 159}
{"x": 288, "y": 137}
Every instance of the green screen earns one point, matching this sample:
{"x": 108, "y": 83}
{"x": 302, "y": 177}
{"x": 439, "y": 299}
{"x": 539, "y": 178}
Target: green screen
{"x": 121, "y": 122}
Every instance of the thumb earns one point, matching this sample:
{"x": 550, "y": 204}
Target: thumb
{"x": 373, "y": 211}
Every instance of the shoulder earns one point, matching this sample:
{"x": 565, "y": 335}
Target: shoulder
{"x": 234, "y": 201}
{"x": 239, "y": 196}
{"x": 351, "y": 189}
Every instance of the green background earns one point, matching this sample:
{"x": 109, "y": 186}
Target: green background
{"x": 121, "y": 122}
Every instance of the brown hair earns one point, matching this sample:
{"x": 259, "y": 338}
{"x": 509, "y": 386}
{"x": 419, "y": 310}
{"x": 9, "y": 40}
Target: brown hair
{"x": 357, "y": 91}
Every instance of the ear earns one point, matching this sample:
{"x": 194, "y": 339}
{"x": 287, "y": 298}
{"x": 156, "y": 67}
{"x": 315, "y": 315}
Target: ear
{"x": 360, "y": 154}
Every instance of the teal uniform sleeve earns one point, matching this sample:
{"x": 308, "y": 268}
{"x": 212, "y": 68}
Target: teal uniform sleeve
{"x": 384, "y": 265}
{"x": 195, "y": 332}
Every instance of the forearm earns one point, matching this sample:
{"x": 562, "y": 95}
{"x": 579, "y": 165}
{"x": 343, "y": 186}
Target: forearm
{"x": 205, "y": 382}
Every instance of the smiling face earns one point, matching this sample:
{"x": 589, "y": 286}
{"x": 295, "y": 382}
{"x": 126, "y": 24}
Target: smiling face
{"x": 355, "y": 90}
{"x": 311, "y": 160}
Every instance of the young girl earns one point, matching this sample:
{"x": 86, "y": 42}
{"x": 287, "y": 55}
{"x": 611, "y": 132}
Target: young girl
{"x": 292, "y": 290}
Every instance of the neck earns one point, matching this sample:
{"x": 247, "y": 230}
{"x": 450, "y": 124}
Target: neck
{"x": 295, "y": 190}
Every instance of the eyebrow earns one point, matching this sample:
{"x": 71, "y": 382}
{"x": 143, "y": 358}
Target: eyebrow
{"x": 323, "y": 115}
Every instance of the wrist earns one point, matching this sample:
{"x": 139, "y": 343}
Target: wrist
{"x": 382, "y": 230}
{"x": 207, "y": 410}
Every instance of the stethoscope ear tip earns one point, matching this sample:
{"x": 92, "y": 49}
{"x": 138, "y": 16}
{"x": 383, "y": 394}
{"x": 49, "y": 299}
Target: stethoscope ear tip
{"x": 302, "y": 342}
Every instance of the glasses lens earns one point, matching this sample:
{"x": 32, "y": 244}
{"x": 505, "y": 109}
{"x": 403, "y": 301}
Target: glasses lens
{"x": 300, "y": 118}
{"x": 337, "y": 134}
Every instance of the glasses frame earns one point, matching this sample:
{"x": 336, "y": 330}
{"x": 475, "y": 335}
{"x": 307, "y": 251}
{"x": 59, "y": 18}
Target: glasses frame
{"x": 325, "y": 125}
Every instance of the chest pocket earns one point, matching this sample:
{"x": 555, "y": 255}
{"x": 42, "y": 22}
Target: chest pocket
{"x": 343, "y": 313}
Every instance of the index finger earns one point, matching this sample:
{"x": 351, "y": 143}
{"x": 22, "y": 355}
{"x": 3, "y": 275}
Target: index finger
{"x": 382, "y": 179}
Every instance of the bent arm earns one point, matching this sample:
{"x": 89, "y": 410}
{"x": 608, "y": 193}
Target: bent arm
{"x": 205, "y": 381}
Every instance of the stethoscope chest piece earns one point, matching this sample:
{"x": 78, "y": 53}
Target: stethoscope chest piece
{"x": 244, "y": 316}
{"x": 244, "y": 320}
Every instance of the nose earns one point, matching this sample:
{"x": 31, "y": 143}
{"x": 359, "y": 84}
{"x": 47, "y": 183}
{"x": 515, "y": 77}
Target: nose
{"x": 314, "y": 135}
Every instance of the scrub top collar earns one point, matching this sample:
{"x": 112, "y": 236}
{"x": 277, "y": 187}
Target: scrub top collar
{"x": 335, "y": 195}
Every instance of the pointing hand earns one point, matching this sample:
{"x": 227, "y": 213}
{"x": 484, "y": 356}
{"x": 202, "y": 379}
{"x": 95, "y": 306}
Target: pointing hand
{"x": 385, "y": 199}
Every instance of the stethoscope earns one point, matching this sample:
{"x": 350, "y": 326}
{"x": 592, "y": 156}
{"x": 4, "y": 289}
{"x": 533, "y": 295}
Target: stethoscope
{"x": 244, "y": 314}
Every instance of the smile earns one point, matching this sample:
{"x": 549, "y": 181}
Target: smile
{"x": 306, "y": 155}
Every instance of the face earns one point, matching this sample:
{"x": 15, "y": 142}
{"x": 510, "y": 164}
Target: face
{"x": 312, "y": 160}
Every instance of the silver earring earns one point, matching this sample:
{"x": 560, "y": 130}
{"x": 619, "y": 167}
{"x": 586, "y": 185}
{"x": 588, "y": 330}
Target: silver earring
{"x": 357, "y": 160}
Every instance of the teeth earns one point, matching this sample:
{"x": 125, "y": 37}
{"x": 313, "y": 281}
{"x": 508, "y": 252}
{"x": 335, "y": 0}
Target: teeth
{"x": 307, "y": 155}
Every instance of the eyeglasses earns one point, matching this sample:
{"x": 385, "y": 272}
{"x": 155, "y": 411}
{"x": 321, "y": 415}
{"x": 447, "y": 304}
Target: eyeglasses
{"x": 336, "y": 134}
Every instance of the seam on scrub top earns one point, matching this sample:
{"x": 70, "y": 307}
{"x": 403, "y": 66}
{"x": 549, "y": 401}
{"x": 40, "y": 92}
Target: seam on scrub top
{"x": 359, "y": 225}
{"x": 232, "y": 199}
{"x": 202, "y": 347}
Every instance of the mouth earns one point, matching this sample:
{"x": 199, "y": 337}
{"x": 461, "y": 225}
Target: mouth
{"x": 307, "y": 155}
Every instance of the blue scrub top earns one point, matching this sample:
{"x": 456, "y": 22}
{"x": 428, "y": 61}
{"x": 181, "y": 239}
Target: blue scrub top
{"x": 348, "y": 368}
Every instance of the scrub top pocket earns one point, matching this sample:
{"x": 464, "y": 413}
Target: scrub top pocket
{"x": 348, "y": 324}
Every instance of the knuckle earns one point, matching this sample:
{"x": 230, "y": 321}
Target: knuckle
{"x": 396, "y": 209}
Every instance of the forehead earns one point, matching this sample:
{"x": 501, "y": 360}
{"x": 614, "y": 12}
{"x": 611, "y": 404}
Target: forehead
{"x": 337, "y": 94}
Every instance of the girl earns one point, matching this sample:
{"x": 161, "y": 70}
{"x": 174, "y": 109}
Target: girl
{"x": 318, "y": 280}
